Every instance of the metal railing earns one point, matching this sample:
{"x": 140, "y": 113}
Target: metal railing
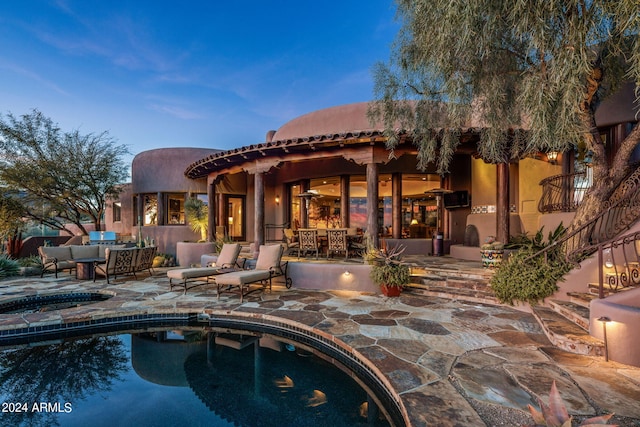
{"x": 618, "y": 214}
{"x": 564, "y": 193}
{"x": 619, "y": 263}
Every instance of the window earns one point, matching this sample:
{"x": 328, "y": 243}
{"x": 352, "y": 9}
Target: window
{"x": 150, "y": 209}
{"x": 117, "y": 211}
{"x": 175, "y": 209}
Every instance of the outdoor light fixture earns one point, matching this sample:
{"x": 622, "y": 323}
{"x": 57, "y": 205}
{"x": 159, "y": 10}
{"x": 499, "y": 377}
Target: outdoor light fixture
{"x": 347, "y": 273}
{"x": 608, "y": 263}
{"x": 277, "y": 199}
{"x": 414, "y": 222}
{"x": 552, "y": 157}
{"x": 605, "y": 320}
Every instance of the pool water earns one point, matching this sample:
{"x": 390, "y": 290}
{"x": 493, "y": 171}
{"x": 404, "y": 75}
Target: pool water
{"x": 169, "y": 378}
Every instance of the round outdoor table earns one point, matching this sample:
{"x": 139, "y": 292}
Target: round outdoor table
{"x": 85, "y": 267}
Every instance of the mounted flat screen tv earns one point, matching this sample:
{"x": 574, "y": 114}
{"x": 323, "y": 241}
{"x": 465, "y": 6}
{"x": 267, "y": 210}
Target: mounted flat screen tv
{"x": 457, "y": 199}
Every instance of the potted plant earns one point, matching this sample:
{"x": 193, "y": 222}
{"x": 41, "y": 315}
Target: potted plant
{"x": 492, "y": 253}
{"x": 388, "y": 271}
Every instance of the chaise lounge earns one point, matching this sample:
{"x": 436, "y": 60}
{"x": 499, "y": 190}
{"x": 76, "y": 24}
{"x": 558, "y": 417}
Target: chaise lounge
{"x": 228, "y": 259}
{"x": 268, "y": 266}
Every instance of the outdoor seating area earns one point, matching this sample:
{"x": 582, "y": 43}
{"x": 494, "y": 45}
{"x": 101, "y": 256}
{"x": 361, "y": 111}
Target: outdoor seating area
{"x": 324, "y": 241}
{"x": 59, "y": 258}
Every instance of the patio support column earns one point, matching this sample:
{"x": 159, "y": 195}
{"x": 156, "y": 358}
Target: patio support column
{"x": 211, "y": 211}
{"x": 304, "y": 215}
{"x": 160, "y": 220}
{"x": 344, "y": 200}
{"x": 502, "y": 202}
{"x": 221, "y": 212}
{"x": 258, "y": 188}
{"x": 372, "y": 202}
{"x": 396, "y": 205}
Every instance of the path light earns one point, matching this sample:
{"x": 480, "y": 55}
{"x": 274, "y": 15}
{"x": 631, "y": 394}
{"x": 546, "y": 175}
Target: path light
{"x": 605, "y": 320}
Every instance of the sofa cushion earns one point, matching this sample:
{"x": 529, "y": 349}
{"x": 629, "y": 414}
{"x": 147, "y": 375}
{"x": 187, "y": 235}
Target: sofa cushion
{"x": 269, "y": 257}
{"x": 61, "y": 253}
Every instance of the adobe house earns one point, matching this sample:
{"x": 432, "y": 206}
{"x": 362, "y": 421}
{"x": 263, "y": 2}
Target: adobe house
{"x": 330, "y": 168}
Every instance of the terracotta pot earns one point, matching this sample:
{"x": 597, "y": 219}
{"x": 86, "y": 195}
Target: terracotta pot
{"x": 391, "y": 291}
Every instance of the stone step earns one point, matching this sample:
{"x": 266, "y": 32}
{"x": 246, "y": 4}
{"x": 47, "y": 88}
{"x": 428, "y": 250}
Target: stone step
{"x": 565, "y": 334}
{"x": 469, "y": 295}
{"x": 608, "y": 289}
{"x": 581, "y": 298}
{"x": 477, "y": 285}
{"x": 573, "y": 312}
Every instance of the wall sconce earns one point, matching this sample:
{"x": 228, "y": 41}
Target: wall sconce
{"x": 414, "y": 222}
{"x": 347, "y": 273}
{"x": 277, "y": 199}
{"x": 608, "y": 263}
{"x": 552, "y": 157}
{"x": 605, "y": 320}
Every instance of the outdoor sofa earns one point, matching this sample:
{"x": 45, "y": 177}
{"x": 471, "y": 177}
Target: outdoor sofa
{"x": 58, "y": 258}
{"x": 125, "y": 261}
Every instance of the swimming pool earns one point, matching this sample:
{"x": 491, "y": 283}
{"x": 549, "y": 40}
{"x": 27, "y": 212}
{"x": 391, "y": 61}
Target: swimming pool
{"x": 190, "y": 376}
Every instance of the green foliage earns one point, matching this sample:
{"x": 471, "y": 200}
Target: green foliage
{"x": 197, "y": 213}
{"x": 30, "y": 261}
{"x": 528, "y": 278}
{"x": 11, "y": 215}
{"x": 494, "y": 63}
{"x": 388, "y": 269}
{"x": 221, "y": 240}
{"x": 8, "y": 266}
{"x": 63, "y": 177}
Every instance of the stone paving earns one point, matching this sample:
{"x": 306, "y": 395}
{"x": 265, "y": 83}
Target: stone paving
{"x": 452, "y": 363}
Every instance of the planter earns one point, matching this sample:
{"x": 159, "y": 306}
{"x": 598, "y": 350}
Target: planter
{"x": 391, "y": 291}
{"x": 491, "y": 258}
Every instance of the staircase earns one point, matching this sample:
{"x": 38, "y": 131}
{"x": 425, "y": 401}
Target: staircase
{"x": 453, "y": 279}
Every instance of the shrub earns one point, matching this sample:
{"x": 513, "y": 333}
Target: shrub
{"x": 523, "y": 277}
{"x": 8, "y": 266}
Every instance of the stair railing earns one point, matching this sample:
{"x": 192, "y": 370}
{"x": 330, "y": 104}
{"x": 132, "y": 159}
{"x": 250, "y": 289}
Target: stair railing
{"x": 618, "y": 214}
{"x": 619, "y": 263}
{"x": 563, "y": 193}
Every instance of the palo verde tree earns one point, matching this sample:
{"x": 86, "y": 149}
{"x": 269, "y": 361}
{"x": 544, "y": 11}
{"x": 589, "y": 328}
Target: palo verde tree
{"x": 12, "y": 222}
{"x": 539, "y": 65}
{"x": 63, "y": 177}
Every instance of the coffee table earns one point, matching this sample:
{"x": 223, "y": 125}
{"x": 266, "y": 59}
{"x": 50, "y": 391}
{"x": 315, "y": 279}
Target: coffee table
{"x": 85, "y": 267}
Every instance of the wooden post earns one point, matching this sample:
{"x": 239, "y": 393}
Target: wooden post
{"x": 258, "y": 187}
{"x": 372, "y": 203}
{"x": 345, "y": 199}
{"x": 396, "y": 205}
{"x": 211, "y": 212}
{"x": 502, "y": 202}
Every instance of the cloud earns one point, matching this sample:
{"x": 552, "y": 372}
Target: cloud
{"x": 33, "y": 76}
{"x": 176, "y": 111}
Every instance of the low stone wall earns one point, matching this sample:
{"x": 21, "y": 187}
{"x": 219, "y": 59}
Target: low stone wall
{"x": 623, "y": 331}
{"x": 348, "y": 277}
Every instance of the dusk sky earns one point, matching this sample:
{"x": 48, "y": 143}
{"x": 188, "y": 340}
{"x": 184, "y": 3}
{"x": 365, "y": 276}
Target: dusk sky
{"x": 217, "y": 74}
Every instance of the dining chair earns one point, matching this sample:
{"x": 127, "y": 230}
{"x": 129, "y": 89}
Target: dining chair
{"x": 308, "y": 241}
{"x": 337, "y": 241}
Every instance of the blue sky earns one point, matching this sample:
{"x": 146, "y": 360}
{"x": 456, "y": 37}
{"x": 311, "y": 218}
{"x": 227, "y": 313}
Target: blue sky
{"x": 218, "y": 74}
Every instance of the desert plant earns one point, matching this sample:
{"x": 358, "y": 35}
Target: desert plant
{"x": 529, "y": 278}
{"x": 491, "y": 244}
{"x": 8, "y": 266}
{"x": 388, "y": 269}
{"x": 197, "y": 213}
{"x": 221, "y": 240}
{"x": 30, "y": 261}
{"x": 555, "y": 414}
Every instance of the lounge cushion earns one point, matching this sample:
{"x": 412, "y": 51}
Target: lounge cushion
{"x": 190, "y": 273}
{"x": 61, "y": 253}
{"x": 88, "y": 251}
{"x": 242, "y": 277}
{"x": 269, "y": 257}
